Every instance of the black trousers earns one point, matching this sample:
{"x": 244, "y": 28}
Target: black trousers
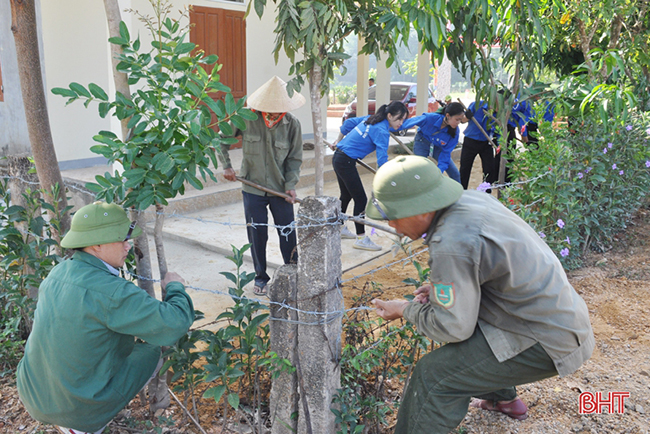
{"x": 472, "y": 148}
{"x": 350, "y": 185}
{"x": 533, "y": 137}
{"x": 255, "y": 212}
{"x": 497, "y": 158}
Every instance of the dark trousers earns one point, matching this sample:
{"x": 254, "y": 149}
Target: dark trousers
{"x": 472, "y": 148}
{"x": 533, "y": 138}
{"x": 350, "y": 185}
{"x": 445, "y": 380}
{"x": 255, "y": 212}
{"x": 497, "y": 158}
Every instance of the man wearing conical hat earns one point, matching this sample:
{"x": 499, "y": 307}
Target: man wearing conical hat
{"x": 497, "y": 295}
{"x": 82, "y": 364}
{"x": 272, "y": 155}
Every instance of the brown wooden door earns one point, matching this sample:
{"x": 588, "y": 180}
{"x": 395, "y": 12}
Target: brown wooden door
{"x": 222, "y": 32}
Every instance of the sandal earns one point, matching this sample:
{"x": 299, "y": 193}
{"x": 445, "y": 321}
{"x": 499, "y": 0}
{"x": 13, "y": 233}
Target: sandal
{"x": 515, "y": 409}
{"x": 259, "y": 290}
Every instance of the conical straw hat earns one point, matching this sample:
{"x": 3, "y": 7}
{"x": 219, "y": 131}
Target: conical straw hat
{"x": 272, "y": 97}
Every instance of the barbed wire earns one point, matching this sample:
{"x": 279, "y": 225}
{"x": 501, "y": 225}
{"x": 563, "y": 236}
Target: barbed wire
{"x": 285, "y": 230}
{"x": 483, "y": 187}
{"x": 323, "y": 317}
{"x": 281, "y": 305}
{"x": 329, "y": 316}
{"x": 390, "y": 264}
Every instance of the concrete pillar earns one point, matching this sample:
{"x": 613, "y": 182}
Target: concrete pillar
{"x": 444, "y": 79}
{"x": 382, "y": 84}
{"x": 424, "y": 64}
{"x": 319, "y": 346}
{"x": 284, "y": 341}
{"x": 363, "y": 65}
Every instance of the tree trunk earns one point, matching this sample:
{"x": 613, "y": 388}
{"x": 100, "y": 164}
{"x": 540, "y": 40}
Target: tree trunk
{"x": 19, "y": 181}
{"x": 314, "y": 91}
{"x": 160, "y": 247}
{"x": 23, "y": 26}
{"x": 158, "y": 392}
{"x": 121, "y": 84}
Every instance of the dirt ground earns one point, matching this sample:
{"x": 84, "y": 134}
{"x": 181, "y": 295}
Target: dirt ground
{"x": 616, "y": 287}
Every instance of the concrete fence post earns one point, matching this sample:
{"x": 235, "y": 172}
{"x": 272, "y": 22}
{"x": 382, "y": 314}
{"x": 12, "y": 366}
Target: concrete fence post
{"x": 284, "y": 342}
{"x": 309, "y": 391}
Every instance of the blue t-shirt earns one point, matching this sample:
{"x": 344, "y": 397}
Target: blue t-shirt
{"x": 522, "y": 112}
{"x": 429, "y": 128}
{"x": 362, "y": 139}
{"x": 472, "y": 131}
{"x": 549, "y": 115}
{"x": 350, "y": 123}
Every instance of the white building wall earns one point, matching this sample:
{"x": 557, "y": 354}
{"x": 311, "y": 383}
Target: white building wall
{"x": 14, "y": 137}
{"x": 75, "y": 49}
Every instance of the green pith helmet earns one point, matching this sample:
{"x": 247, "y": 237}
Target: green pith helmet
{"x": 99, "y": 223}
{"x": 410, "y": 185}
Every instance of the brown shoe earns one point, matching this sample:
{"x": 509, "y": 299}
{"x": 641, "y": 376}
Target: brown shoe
{"x": 515, "y": 409}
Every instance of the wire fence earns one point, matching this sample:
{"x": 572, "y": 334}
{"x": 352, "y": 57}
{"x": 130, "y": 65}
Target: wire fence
{"x": 284, "y": 230}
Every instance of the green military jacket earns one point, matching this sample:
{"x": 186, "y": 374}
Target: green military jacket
{"x": 272, "y": 156}
{"x": 82, "y": 364}
{"x": 490, "y": 268}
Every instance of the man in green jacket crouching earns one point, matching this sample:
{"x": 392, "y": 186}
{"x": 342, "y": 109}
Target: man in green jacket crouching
{"x": 82, "y": 364}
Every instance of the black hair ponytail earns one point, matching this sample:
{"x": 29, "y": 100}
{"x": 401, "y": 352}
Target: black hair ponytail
{"x": 453, "y": 109}
{"x": 395, "y": 108}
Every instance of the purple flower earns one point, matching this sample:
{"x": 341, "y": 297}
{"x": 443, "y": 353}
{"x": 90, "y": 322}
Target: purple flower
{"x": 648, "y": 131}
{"x": 588, "y": 169}
{"x": 560, "y": 223}
{"x": 629, "y": 128}
{"x": 568, "y": 240}
{"x": 621, "y": 172}
{"x": 541, "y": 234}
{"x": 609, "y": 145}
{"x": 647, "y": 163}
{"x": 580, "y": 175}
{"x": 564, "y": 252}
{"x": 614, "y": 166}
{"x": 484, "y": 186}
{"x": 373, "y": 231}
{"x": 604, "y": 150}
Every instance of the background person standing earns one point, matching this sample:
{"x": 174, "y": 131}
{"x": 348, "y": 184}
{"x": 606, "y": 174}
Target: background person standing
{"x": 272, "y": 156}
{"x": 359, "y": 137}
{"x": 475, "y": 143}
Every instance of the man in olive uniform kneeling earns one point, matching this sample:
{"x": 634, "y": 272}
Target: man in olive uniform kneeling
{"x": 498, "y": 296}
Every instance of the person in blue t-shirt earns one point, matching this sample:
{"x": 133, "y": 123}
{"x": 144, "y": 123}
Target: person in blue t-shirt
{"x": 437, "y": 136}
{"x": 361, "y": 136}
{"x": 476, "y": 143}
{"x": 520, "y": 115}
{"x": 529, "y": 131}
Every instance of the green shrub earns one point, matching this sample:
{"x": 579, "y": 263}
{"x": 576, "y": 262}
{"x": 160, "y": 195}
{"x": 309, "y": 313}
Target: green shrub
{"x": 583, "y": 185}
{"x": 377, "y": 359}
{"x": 27, "y": 253}
{"x": 343, "y": 94}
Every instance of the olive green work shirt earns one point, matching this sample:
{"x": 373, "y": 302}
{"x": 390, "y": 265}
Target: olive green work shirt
{"x": 489, "y": 267}
{"x": 271, "y": 156}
